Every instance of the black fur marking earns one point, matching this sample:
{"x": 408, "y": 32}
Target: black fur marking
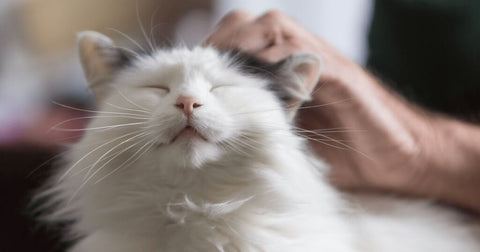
{"x": 123, "y": 58}
{"x": 260, "y": 68}
{"x": 255, "y": 66}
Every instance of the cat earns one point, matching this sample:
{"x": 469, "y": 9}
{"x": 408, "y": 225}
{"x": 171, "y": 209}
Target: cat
{"x": 193, "y": 150}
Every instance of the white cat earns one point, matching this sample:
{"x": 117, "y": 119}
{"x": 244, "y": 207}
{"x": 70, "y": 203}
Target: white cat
{"x": 192, "y": 150}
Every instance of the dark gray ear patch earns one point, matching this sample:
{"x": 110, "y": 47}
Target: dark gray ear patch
{"x": 119, "y": 58}
{"x": 292, "y": 79}
{"x": 101, "y": 59}
{"x": 255, "y": 66}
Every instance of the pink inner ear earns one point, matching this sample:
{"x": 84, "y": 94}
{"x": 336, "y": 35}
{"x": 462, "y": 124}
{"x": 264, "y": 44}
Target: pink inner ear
{"x": 310, "y": 73}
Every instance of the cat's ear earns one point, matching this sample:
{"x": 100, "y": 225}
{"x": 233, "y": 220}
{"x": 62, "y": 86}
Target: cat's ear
{"x": 296, "y": 77}
{"x": 100, "y": 59}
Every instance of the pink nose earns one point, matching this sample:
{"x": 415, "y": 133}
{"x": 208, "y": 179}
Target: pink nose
{"x": 187, "y": 104}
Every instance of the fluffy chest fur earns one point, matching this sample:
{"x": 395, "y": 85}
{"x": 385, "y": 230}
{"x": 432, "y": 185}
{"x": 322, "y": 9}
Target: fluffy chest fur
{"x": 234, "y": 205}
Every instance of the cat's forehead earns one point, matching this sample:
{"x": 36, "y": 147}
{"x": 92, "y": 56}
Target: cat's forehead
{"x": 200, "y": 58}
{"x": 182, "y": 65}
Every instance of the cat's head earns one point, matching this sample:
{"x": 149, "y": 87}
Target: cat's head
{"x": 190, "y": 106}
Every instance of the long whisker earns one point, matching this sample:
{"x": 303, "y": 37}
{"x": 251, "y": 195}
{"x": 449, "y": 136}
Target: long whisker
{"x": 257, "y": 111}
{"x": 129, "y": 38}
{"x": 233, "y": 147}
{"x": 339, "y": 144}
{"x": 320, "y": 85}
{"x": 108, "y": 158}
{"x": 152, "y": 38}
{"x": 128, "y": 100}
{"x": 323, "y": 142}
{"x": 151, "y": 142}
{"x": 137, "y": 55}
{"x": 142, "y": 28}
{"x": 93, "y": 117}
{"x": 92, "y": 151}
{"x": 292, "y": 106}
{"x": 327, "y": 131}
{"x": 325, "y": 104}
{"x": 127, "y": 109}
{"x": 88, "y": 179}
{"x": 112, "y": 149}
{"x": 45, "y": 163}
{"x": 103, "y": 127}
{"x": 92, "y": 111}
{"x": 342, "y": 144}
{"x": 244, "y": 144}
{"x": 161, "y": 123}
{"x": 323, "y": 130}
{"x": 245, "y": 136}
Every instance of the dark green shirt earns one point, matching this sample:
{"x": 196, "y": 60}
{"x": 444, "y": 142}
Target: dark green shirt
{"x": 429, "y": 51}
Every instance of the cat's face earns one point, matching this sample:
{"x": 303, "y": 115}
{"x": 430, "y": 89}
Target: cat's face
{"x": 187, "y": 107}
{"x": 196, "y": 104}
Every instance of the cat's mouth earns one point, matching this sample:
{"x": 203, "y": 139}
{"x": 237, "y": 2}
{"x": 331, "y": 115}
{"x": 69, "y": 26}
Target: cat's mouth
{"x": 188, "y": 132}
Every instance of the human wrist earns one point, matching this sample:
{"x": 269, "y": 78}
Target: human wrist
{"x": 453, "y": 162}
{"x": 446, "y": 166}
{"x": 402, "y": 130}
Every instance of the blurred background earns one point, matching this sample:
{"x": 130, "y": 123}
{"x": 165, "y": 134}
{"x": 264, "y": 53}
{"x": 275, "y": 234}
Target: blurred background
{"x": 39, "y": 69}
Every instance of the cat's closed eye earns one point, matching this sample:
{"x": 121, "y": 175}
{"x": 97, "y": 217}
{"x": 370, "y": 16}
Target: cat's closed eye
{"x": 158, "y": 87}
{"x": 220, "y": 86}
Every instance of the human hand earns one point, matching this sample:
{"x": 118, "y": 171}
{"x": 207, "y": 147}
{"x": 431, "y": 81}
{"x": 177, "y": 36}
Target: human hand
{"x": 275, "y": 36}
{"x": 364, "y": 147}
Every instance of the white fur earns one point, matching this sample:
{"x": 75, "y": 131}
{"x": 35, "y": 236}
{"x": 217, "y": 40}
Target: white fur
{"x": 253, "y": 186}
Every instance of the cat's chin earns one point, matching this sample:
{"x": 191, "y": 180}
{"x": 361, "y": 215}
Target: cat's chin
{"x": 189, "y": 151}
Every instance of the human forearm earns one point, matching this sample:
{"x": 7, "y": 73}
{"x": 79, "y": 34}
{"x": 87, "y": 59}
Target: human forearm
{"x": 452, "y": 163}
{"x": 418, "y": 152}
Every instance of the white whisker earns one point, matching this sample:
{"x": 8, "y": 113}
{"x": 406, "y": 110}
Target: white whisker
{"x": 152, "y": 37}
{"x": 342, "y": 144}
{"x": 92, "y": 151}
{"x": 325, "y": 104}
{"x": 128, "y": 100}
{"x": 112, "y": 157}
{"x": 128, "y": 50}
{"x": 129, "y": 38}
{"x": 109, "y": 157}
{"x": 232, "y": 146}
{"x": 85, "y": 182}
{"x": 93, "y": 117}
{"x": 142, "y": 28}
{"x": 45, "y": 163}
{"x": 128, "y": 109}
{"x": 323, "y": 142}
{"x": 93, "y": 111}
{"x": 112, "y": 149}
{"x": 103, "y": 127}
{"x": 151, "y": 142}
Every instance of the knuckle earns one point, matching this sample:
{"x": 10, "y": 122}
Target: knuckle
{"x": 236, "y": 15}
{"x": 273, "y": 15}
{"x": 295, "y": 43}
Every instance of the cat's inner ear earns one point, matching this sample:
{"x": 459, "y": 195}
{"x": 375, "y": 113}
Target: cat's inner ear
{"x": 100, "y": 59}
{"x": 296, "y": 78}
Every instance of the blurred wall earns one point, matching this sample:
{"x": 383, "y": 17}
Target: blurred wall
{"x": 50, "y": 25}
{"x": 343, "y": 23}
